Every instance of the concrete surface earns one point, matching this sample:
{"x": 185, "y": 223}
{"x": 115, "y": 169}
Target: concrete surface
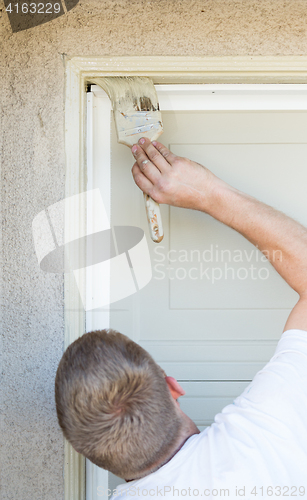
{"x": 33, "y": 177}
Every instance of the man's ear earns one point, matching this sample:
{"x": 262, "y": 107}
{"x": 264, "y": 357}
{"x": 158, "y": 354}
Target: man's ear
{"x": 175, "y": 388}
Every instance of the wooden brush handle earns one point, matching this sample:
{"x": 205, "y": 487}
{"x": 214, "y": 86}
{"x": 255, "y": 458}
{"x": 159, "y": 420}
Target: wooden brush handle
{"x": 154, "y": 219}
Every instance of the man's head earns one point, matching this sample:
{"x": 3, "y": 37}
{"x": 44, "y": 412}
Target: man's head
{"x": 114, "y": 405}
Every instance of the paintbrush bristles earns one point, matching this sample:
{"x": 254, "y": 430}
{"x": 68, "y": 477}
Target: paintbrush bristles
{"x": 135, "y": 106}
{"x": 125, "y": 90}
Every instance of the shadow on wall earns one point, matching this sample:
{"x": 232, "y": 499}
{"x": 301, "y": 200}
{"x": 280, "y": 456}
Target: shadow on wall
{"x": 24, "y": 15}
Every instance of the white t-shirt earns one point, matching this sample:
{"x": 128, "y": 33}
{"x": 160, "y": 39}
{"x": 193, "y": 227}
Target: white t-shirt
{"x": 256, "y": 448}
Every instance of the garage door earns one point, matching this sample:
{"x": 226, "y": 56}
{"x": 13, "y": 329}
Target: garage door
{"x": 215, "y": 308}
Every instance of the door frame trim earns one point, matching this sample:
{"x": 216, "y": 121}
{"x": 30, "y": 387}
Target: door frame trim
{"x": 163, "y": 70}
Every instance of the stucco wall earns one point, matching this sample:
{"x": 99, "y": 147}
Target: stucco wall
{"x": 33, "y": 177}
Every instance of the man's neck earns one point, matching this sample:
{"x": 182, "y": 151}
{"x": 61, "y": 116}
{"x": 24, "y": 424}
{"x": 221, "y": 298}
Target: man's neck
{"x": 178, "y": 449}
{"x": 187, "y": 431}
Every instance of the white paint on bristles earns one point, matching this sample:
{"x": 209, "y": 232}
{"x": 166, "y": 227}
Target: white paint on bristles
{"x": 135, "y": 106}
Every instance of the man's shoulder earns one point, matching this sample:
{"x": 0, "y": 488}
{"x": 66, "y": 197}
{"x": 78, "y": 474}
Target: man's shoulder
{"x": 293, "y": 340}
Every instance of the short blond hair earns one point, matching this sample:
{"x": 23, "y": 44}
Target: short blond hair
{"x": 113, "y": 403}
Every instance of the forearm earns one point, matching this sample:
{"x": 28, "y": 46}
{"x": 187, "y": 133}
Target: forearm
{"x": 282, "y": 240}
{"x": 177, "y": 181}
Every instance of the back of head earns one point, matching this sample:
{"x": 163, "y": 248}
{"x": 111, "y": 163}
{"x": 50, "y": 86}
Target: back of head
{"x": 113, "y": 404}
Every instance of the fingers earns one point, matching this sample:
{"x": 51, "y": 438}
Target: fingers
{"x": 152, "y": 167}
{"x": 148, "y": 168}
{"x": 141, "y": 180}
{"x": 158, "y": 158}
{"x": 166, "y": 153}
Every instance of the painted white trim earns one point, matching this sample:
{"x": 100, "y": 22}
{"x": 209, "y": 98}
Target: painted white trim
{"x": 98, "y": 176}
{"x": 74, "y": 316}
{"x": 96, "y": 481}
{"x": 163, "y": 70}
{"x": 98, "y": 165}
{"x": 182, "y": 69}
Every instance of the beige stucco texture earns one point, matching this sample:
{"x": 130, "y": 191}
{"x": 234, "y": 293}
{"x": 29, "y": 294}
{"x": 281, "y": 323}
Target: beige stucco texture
{"x": 33, "y": 177}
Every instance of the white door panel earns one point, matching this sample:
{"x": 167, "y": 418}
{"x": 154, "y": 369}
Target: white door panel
{"x": 191, "y": 370}
{"x": 205, "y": 399}
{"x": 241, "y": 127}
{"x": 216, "y": 268}
{"x": 268, "y": 172}
{"x": 245, "y": 325}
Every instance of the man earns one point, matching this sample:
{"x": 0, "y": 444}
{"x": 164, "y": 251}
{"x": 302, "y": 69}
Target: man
{"x": 117, "y": 407}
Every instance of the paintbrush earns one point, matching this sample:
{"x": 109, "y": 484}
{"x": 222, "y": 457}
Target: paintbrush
{"x": 136, "y": 114}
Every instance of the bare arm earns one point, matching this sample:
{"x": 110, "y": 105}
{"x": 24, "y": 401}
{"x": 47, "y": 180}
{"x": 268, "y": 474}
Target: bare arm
{"x": 180, "y": 182}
